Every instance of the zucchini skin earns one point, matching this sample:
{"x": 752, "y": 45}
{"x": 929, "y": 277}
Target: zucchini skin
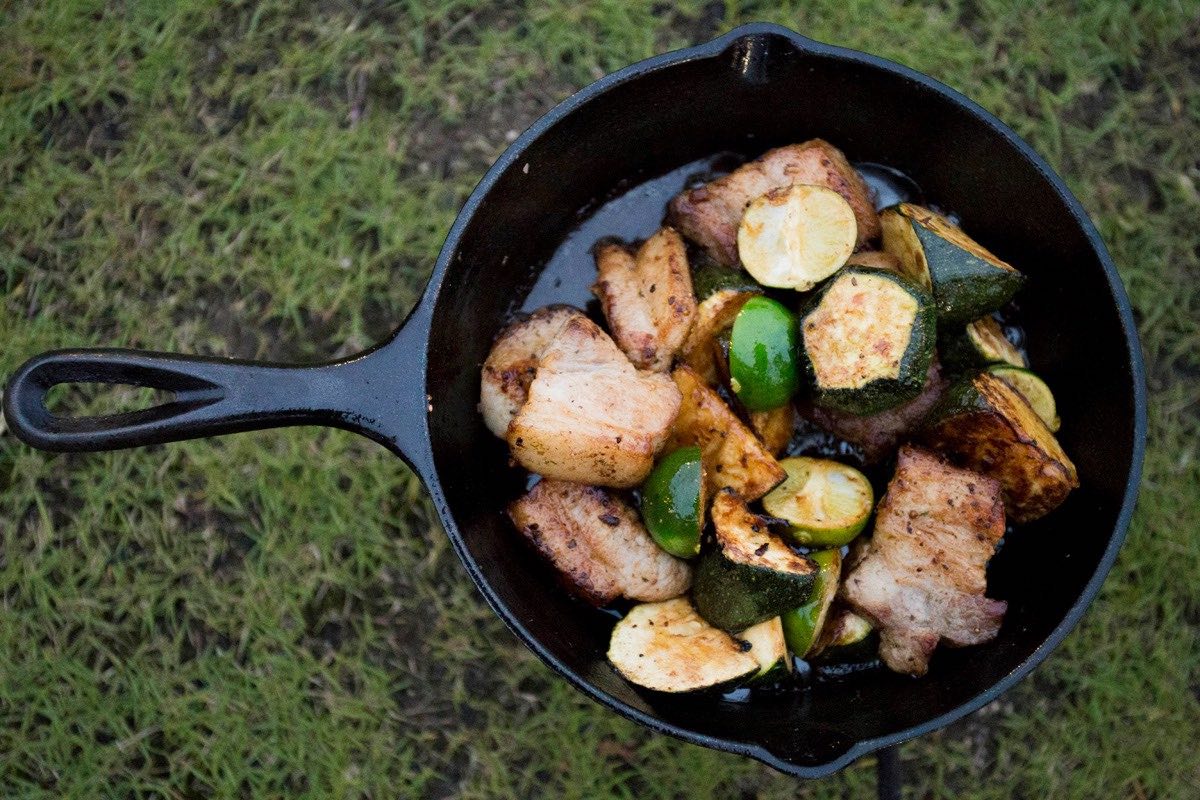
{"x": 709, "y": 277}
{"x": 965, "y": 287}
{"x": 881, "y": 393}
{"x": 986, "y": 425}
{"x": 960, "y": 353}
{"x": 734, "y": 596}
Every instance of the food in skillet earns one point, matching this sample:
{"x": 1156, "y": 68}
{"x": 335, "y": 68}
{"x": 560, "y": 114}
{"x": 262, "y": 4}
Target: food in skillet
{"x": 696, "y": 456}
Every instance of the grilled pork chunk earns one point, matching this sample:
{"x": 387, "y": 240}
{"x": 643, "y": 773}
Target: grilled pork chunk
{"x": 921, "y": 578}
{"x": 590, "y": 416}
{"x": 647, "y": 297}
{"x": 597, "y": 543}
{"x": 733, "y": 456}
{"x": 710, "y": 214}
{"x": 512, "y": 363}
{"x": 878, "y": 434}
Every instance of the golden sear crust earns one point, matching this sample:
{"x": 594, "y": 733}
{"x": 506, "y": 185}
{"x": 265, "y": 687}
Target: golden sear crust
{"x": 744, "y": 537}
{"x": 715, "y": 314}
{"x": 732, "y": 455}
{"x": 774, "y": 427}
{"x": 859, "y": 331}
{"x": 668, "y": 647}
{"x": 512, "y": 363}
{"x": 987, "y": 334}
{"x": 943, "y": 227}
{"x": 921, "y": 577}
{"x": 597, "y": 543}
{"x": 647, "y": 297}
{"x": 710, "y": 214}
{"x": 1009, "y": 442}
{"x": 590, "y": 416}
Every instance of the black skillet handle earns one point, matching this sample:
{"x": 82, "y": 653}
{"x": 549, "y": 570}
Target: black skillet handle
{"x": 211, "y": 397}
{"x": 379, "y": 393}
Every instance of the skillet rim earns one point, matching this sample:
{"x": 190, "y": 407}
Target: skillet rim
{"x": 427, "y": 305}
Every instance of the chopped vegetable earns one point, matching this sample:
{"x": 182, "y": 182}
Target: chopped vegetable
{"x": 714, "y": 316}
{"x": 875, "y": 259}
{"x": 597, "y": 544}
{"x": 590, "y": 416}
{"x": 979, "y": 344}
{"x": 673, "y": 502}
{"x": 710, "y": 214}
{"x": 802, "y": 626}
{"x": 868, "y": 338}
{"x": 709, "y": 278}
{"x": 733, "y": 456}
{"x": 762, "y": 355}
{"x": 985, "y": 424}
{"x": 825, "y": 503}
{"x": 796, "y": 236}
{"x": 749, "y": 575}
{"x": 774, "y": 427}
{"x": 768, "y": 647}
{"x": 1033, "y": 389}
{"x": 667, "y": 647}
{"x": 966, "y": 280}
{"x": 845, "y": 637}
{"x": 921, "y": 577}
{"x": 647, "y": 297}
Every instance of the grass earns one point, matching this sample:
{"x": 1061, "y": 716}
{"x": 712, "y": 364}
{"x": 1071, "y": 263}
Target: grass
{"x": 278, "y": 613}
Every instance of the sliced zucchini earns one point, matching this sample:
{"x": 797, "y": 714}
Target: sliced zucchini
{"x": 762, "y": 355}
{"x": 796, "y": 236}
{"x": 673, "y": 502}
{"x": 966, "y": 280}
{"x": 846, "y": 637}
{"x": 825, "y": 503}
{"x": 987, "y": 425}
{"x": 769, "y": 648}
{"x": 868, "y": 337}
{"x": 709, "y": 277}
{"x": 802, "y": 626}
{"x": 1033, "y": 389}
{"x": 749, "y": 575}
{"x": 713, "y": 316}
{"x": 980, "y": 343}
{"x": 667, "y": 647}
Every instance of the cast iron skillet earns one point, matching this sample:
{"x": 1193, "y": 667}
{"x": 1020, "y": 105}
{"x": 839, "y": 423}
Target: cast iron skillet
{"x": 758, "y": 86}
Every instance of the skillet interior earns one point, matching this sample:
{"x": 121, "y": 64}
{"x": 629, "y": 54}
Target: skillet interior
{"x": 746, "y": 94}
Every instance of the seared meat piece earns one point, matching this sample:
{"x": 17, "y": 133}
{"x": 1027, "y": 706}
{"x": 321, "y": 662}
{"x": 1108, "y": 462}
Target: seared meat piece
{"x": 511, "y": 364}
{"x": 733, "y": 456}
{"x": 590, "y": 415}
{"x": 647, "y": 297}
{"x": 597, "y": 543}
{"x": 878, "y": 434}
{"x": 922, "y": 576}
{"x": 710, "y": 214}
